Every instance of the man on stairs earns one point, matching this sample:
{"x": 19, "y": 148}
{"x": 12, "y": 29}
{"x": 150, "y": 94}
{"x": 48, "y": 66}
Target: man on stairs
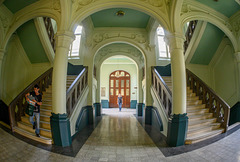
{"x": 37, "y": 99}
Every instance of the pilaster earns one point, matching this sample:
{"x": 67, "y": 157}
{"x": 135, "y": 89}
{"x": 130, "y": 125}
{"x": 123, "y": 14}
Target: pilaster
{"x": 237, "y": 56}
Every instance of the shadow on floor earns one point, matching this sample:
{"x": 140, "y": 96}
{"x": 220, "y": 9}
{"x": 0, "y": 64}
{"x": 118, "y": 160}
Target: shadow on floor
{"x": 160, "y": 140}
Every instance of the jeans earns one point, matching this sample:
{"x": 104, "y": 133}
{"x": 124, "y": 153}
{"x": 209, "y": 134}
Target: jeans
{"x": 120, "y": 106}
{"x": 37, "y": 121}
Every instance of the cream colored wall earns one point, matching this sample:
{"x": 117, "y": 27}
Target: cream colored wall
{"x": 221, "y": 73}
{"x": 224, "y": 74}
{"x": 107, "y": 69}
{"x": 17, "y": 71}
{"x": 201, "y": 71}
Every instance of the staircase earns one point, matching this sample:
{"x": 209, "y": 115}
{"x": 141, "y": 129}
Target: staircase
{"x": 201, "y": 124}
{"x": 24, "y": 127}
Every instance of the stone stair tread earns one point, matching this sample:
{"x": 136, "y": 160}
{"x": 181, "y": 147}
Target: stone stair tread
{"x": 27, "y": 118}
{"x": 205, "y": 135}
{"x": 195, "y": 129}
{"x": 197, "y": 110}
{"x": 199, "y": 115}
{"x": 197, "y": 122}
{"x": 32, "y": 136}
{"x": 30, "y": 125}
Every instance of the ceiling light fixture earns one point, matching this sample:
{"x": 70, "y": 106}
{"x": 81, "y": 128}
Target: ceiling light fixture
{"x": 120, "y": 13}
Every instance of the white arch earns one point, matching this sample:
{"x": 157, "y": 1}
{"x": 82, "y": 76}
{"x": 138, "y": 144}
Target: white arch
{"x": 211, "y": 19}
{"x": 26, "y": 15}
{"x": 155, "y": 12}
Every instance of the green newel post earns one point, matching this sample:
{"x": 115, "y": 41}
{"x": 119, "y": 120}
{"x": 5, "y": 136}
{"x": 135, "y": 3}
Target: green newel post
{"x": 60, "y": 127}
{"x": 148, "y": 115}
{"x": 177, "y": 130}
{"x": 139, "y": 109}
{"x": 98, "y": 109}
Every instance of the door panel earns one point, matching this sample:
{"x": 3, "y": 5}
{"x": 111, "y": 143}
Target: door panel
{"x": 119, "y": 82}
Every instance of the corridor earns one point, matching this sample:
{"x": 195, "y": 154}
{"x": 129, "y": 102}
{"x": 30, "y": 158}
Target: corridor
{"x": 119, "y": 137}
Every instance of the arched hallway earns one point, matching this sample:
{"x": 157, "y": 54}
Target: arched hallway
{"x": 120, "y": 137}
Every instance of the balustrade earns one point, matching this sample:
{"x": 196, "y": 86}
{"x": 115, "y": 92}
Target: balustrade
{"x": 76, "y": 89}
{"x": 163, "y": 92}
{"x": 18, "y": 105}
{"x": 189, "y": 33}
{"x": 216, "y": 105}
{"x": 50, "y": 31}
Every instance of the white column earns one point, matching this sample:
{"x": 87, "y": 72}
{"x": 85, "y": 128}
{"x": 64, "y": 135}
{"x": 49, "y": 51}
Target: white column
{"x": 64, "y": 39}
{"x": 98, "y": 90}
{"x": 139, "y": 88}
{"x": 2, "y": 52}
{"x": 175, "y": 42}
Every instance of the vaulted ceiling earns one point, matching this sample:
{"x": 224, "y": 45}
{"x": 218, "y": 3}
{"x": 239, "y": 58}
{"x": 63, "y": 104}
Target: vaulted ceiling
{"x": 226, "y": 7}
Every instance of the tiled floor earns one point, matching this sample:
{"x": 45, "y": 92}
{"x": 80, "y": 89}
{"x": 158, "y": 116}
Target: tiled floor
{"x": 119, "y": 137}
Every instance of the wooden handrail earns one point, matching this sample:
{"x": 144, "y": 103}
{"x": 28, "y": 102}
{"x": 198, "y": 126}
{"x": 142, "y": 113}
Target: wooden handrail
{"x": 216, "y": 105}
{"x": 50, "y": 31}
{"x": 18, "y": 105}
{"x": 189, "y": 33}
{"x": 163, "y": 92}
{"x": 75, "y": 91}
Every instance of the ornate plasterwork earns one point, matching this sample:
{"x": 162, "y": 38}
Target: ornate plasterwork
{"x": 189, "y": 8}
{"x": 119, "y": 49}
{"x": 138, "y": 37}
{"x": 56, "y": 5}
{"x": 78, "y": 4}
{"x": 5, "y": 22}
{"x": 235, "y": 22}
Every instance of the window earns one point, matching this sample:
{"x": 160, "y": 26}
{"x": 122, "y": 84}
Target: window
{"x": 75, "y": 46}
{"x": 162, "y": 46}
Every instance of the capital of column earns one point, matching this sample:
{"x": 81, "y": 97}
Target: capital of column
{"x": 237, "y": 55}
{"x": 175, "y": 41}
{"x": 64, "y": 38}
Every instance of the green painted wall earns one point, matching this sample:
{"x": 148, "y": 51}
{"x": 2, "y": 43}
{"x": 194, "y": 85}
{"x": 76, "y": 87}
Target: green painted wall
{"x": 16, "y": 5}
{"x": 108, "y": 18}
{"x": 208, "y": 45}
{"x": 31, "y": 43}
{"x": 226, "y": 7}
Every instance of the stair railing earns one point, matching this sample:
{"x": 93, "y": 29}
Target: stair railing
{"x": 189, "y": 33}
{"x": 216, "y": 105}
{"x": 50, "y": 31}
{"x": 76, "y": 89}
{"x": 18, "y": 105}
{"x": 163, "y": 92}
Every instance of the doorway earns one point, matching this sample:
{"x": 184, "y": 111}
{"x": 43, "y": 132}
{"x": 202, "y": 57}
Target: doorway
{"x": 119, "y": 82}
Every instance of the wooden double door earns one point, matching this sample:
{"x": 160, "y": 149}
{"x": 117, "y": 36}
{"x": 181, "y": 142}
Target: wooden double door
{"x": 119, "y": 82}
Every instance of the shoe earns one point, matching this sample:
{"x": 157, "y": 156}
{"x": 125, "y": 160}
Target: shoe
{"x": 38, "y": 135}
{"x": 34, "y": 126}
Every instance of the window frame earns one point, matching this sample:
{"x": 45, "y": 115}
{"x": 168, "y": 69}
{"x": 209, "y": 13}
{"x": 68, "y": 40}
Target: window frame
{"x": 77, "y": 34}
{"x": 159, "y": 35}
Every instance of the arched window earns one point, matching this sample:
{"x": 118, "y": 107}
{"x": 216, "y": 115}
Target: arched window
{"x": 163, "y": 48}
{"x": 75, "y": 46}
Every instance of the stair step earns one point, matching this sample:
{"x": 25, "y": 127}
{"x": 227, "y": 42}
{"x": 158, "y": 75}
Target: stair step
{"x": 44, "y": 118}
{"x": 202, "y": 129}
{"x": 200, "y": 117}
{"x": 197, "y": 111}
{"x": 28, "y": 127}
{"x": 32, "y": 136}
{"x": 197, "y": 123}
{"x": 194, "y": 102}
{"x": 192, "y": 98}
{"x": 43, "y": 124}
{"x": 191, "y": 94}
{"x": 200, "y": 137}
{"x": 46, "y": 112}
{"x": 194, "y": 107}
